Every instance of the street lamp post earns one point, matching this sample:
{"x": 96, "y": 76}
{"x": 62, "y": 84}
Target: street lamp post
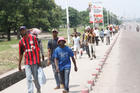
{"x": 68, "y": 28}
{"x": 107, "y": 17}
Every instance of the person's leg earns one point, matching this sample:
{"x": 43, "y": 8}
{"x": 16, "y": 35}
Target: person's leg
{"x": 28, "y": 73}
{"x": 56, "y": 75}
{"x": 90, "y": 50}
{"x": 62, "y": 77}
{"x": 93, "y": 49}
{"x": 87, "y": 51}
{"x": 66, "y": 79}
{"x": 96, "y": 40}
{"x": 103, "y": 39}
{"x": 109, "y": 40}
{"x": 79, "y": 52}
{"x": 75, "y": 52}
{"x": 34, "y": 69}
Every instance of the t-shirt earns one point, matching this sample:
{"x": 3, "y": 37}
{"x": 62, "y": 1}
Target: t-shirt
{"x": 76, "y": 41}
{"x": 52, "y": 44}
{"x": 85, "y": 36}
{"x": 29, "y": 46}
{"x": 97, "y": 32}
{"x": 107, "y": 32}
{"x": 102, "y": 34}
{"x": 63, "y": 55}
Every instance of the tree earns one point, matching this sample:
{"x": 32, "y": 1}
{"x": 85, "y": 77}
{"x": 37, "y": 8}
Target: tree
{"x": 44, "y": 14}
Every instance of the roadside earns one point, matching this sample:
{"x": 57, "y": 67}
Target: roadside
{"x": 78, "y": 80}
{"x": 106, "y": 82}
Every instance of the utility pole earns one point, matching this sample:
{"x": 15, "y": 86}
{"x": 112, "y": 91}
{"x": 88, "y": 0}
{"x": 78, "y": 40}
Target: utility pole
{"x": 107, "y": 17}
{"x": 68, "y": 28}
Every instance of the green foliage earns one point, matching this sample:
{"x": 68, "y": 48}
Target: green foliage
{"x": 44, "y": 14}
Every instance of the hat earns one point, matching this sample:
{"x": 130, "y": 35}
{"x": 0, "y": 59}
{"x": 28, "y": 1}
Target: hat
{"x": 22, "y": 28}
{"x": 54, "y": 30}
{"x": 61, "y": 39}
{"x": 87, "y": 27}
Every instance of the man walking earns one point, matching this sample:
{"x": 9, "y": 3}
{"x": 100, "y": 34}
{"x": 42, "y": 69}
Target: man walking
{"x": 52, "y": 45}
{"x": 41, "y": 52}
{"x": 91, "y": 41}
{"x": 28, "y": 45}
{"x": 76, "y": 45}
{"x": 107, "y": 35}
{"x": 97, "y": 33}
{"x": 63, "y": 62}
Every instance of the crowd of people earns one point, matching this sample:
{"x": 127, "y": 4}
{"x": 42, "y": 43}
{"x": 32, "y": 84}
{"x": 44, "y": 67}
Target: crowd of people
{"x": 59, "y": 54}
{"x": 91, "y": 38}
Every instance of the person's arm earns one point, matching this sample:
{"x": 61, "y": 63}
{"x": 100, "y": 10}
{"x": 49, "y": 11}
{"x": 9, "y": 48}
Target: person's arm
{"x": 83, "y": 37}
{"x": 56, "y": 64}
{"x": 80, "y": 43}
{"x": 20, "y": 59}
{"x": 41, "y": 50}
{"x": 56, "y": 60}
{"x": 49, "y": 56}
{"x": 21, "y": 51}
{"x": 73, "y": 59}
{"x": 73, "y": 42}
{"x": 49, "y": 53}
{"x": 74, "y": 62}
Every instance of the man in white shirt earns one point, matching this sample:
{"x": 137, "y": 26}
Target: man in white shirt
{"x": 76, "y": 45}
{"x": 97, "y": 33}
{"x": 107, "y": 35}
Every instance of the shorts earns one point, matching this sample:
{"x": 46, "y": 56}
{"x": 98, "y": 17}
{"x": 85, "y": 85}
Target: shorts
{"x": 76, "y": 48}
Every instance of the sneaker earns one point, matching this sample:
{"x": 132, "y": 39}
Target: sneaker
{"x": 57, "y": 88}
{"x": 61, "y": 85}
{"x": 38, "y": 91}
{"x": 94, "y": 56}
{"x": 91, "y": 58}
{"x": 65, "y": 91}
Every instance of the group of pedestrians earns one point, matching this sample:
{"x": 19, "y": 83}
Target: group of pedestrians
{"x": 59, "y": 55}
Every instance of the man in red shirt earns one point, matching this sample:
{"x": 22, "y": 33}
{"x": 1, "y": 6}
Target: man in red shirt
{"x": 29, "y": 47}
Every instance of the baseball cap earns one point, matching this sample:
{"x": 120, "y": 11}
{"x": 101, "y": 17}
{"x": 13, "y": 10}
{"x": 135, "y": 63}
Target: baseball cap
{"x": 22, "y": 27}
{"x": 54, "y": 30}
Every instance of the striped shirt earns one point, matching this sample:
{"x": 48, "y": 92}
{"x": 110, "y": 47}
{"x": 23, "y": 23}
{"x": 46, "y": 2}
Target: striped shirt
{"x": 29, "y": 47}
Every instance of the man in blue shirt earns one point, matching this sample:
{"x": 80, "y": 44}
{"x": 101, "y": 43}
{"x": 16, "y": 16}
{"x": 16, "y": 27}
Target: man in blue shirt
{"x": 63, "y": 63}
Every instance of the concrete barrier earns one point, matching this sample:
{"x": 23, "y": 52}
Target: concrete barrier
{"x": 13, "y": 77}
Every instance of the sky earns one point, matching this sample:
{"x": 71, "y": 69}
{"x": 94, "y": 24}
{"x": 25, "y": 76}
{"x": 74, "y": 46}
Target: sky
{"x": 126, "y": 8}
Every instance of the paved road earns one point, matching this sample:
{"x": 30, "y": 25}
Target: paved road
{"x": 121, "y": 73}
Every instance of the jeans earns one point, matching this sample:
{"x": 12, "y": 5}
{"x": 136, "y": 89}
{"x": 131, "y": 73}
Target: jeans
{"x": 64, "y": 78}
{"x": 91, "y": 50}
{"x": 107, "y": 40}
{"x": 29, "y": 71}
{"x": 102, "y": 38}
{"x": 97, "y": 40}
{"x": 56, "y": 74}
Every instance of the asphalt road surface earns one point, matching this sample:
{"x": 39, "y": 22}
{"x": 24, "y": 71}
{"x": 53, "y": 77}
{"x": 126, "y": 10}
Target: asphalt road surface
{"x": 121, "y": 73}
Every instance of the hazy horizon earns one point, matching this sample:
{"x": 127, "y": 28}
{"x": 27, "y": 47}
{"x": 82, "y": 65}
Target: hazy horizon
{"x": 125, "y": 8}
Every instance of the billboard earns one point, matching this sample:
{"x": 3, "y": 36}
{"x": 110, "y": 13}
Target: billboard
{"x": 96, "y": 12}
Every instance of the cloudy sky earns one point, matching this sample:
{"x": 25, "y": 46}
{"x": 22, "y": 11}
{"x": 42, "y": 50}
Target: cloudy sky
{"x": 125, "y": 8}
